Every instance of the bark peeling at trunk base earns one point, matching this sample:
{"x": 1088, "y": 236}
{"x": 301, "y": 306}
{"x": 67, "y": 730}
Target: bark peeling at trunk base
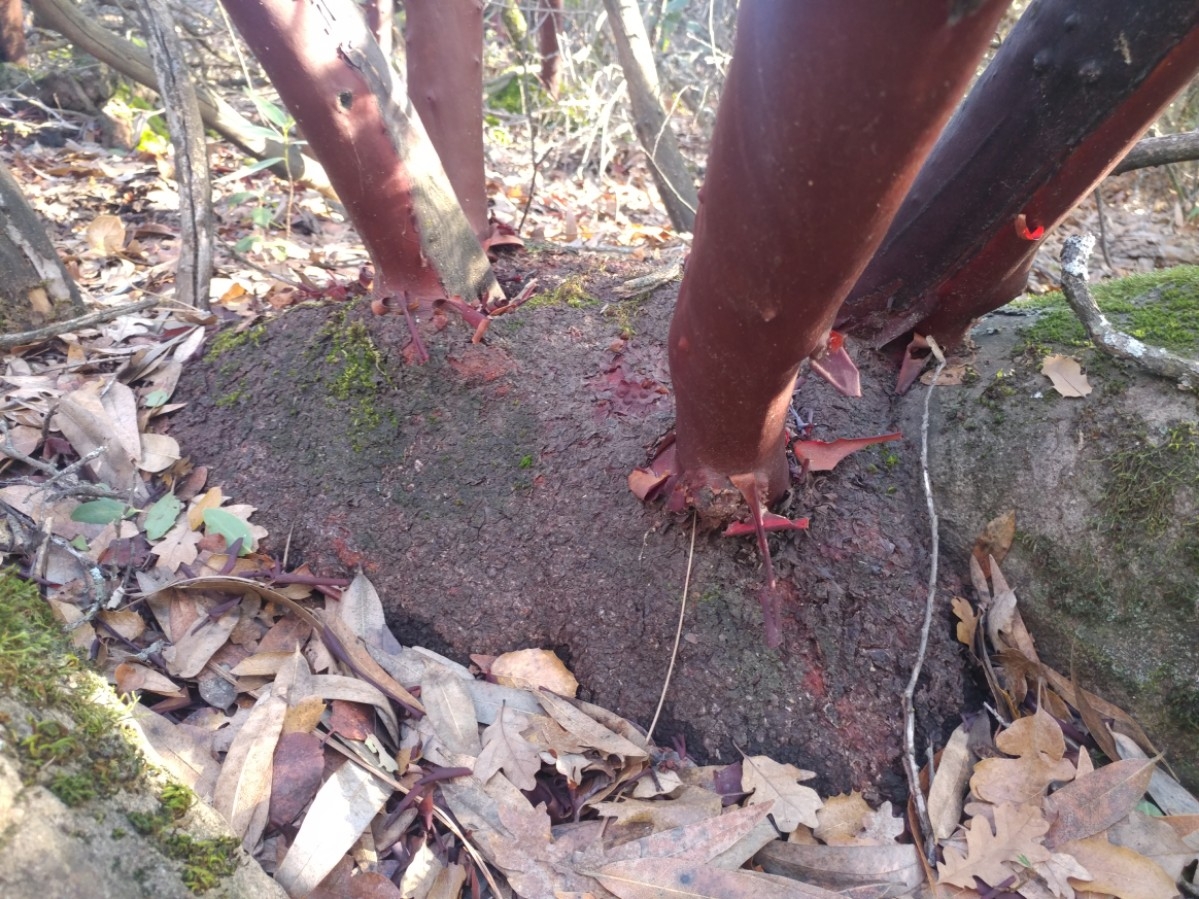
{"x": 826, "y": 115}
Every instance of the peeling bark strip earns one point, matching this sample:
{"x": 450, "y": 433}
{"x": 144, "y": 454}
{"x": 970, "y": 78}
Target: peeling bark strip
{"x": 826, "y": 115}
{"x": 354, "y": 112}
{"x": 445, "y": 81}
{"x": 194, "y": 273}
{"x": 1068, "y": 94}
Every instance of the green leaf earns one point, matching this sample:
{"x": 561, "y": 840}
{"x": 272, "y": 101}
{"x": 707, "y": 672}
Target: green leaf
{"x": 156, "y": 398}
{"x": 100, "y": 511}
{"x": 229, "y": 526}
{"x": 262, "y": 216}
{"x": 161, "y": 516}
{"x": 247, "y": 243}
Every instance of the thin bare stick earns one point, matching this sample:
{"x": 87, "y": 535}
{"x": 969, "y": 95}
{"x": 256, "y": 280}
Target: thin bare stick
{"x": 8, "y": 341}
{"x": 678, "y": 634}
{"x": 1155, "y": 360}
{"x": 909, "y": 694}
{"x": 1107, "y": 256}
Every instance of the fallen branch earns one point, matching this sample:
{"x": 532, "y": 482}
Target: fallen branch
{"x": 1153, "y": 151}
{"x": 1155, "y": 360}
{"x": 8, "y": 341}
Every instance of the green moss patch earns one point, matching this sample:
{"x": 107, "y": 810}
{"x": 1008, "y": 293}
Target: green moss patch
{"x": 1160, "y": 308}
{"x": 205, "y": 863}
{"x": 74, "y": 745}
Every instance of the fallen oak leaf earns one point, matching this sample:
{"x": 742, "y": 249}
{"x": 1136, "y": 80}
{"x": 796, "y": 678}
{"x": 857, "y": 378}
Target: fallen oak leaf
{"x": 822, "y": 455}
{"x": 1066, "y": 375}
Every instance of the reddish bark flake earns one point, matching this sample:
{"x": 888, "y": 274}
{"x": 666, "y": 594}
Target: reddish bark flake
{"x": 821, "y": 455}
{"x": 770, "y": 522}
{"x": 1027, "y": 233}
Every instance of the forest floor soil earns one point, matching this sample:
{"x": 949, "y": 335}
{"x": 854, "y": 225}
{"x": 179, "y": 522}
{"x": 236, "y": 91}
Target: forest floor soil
{"x": 485, "y": 494}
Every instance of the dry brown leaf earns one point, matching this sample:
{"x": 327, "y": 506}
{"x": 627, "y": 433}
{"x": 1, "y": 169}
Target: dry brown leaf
{"x": 881, "y": 826}
{"x": 659, "y": 878}
{"x": 1038, "y": 742}
{"x": 351, "y": 689}
{"x": 841, "y": 819}
{"x": 451, "y": 712}
{"x": 365, "y": 663}
{"x": 422, "y": 871}
{"x": 842, "y": 868}
{"x": 1058, "y": 870}
{"x": 191, "y": 651}
{"x": 967, "y": 620}
{"x": 158, "y": 452}
{"x": 1066, "y": 375}
{"x": 532, "y": 669}
{"x": 770, "y": 781}
{"x": 177, "y": 548}
{"x": 1155, "y": 839}
{"x": 127, "y": 623}
{"x": 1119, "y": 872}
{"x": 243, "y": 789}
{"x": 84, "y": 420}
{"x": 449, "y": 883}
{"x": 948, "y": 790}
{"x": 212, "y": 499}
{"x": 1017, "y": 838}
{"x": 343, "y": 808}
{"x": 586, "y": 729}
{"x": 1169, "y": 795}
{"x": 995, "y": 540}
{"x": 1036, "y": 734}
{"x": 504, "y": 749}
{"x": 1096, "y": 801}
{"x": 692, "y": 805}
{"x": 105, "y": 235}
{"x": 131, "y": 677}
{"x": 185, "y": 752}
{"x": 299, "y": 764}
{"x": 361, "y": 608}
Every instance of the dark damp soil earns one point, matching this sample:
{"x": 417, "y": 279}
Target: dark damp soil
{"x": 485, "y": 495}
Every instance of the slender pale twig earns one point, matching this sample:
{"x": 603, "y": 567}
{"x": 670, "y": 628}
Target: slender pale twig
{"x": 909, "y": 694}
{"x": 674, "y": 653}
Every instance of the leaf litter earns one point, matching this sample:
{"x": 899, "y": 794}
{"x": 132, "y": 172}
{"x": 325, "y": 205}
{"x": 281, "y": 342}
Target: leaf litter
{"x": 345, "y": 760}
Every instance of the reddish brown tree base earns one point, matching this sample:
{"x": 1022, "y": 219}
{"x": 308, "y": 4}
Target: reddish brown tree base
{"x": 491, "y": 510}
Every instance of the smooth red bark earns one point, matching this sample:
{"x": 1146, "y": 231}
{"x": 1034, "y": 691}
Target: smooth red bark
{"x": 547, "y": 47}
{"x": 1073, "y": 87}
{"x": 826, "y": 115}
{"x": 358, "y": 122}
{"x": 12, "y": 33}
{"x": 445, "y": 82}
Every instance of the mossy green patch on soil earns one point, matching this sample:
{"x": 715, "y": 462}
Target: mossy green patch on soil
{"x": 570, "y": 292}
{"x": 205, "y": 863}
{"x": 73, "y": 745}
{"x": 359, "y": 374}
{"x": 233, "y": 338}
{"x": 1160, "y": 308}
{"x": 66, "y": 736}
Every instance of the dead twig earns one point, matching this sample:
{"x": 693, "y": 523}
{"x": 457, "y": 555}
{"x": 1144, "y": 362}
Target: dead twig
{"x": 8, "y": 341}
{"x": 909, "y": 694}
{"x": 674, "y": 653}
{"x": 1155, "y": 360}
{"x": 1099, "y": 209}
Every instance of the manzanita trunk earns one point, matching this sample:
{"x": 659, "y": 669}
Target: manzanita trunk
{"x": 827, "y": 113}
{"x": 444, "y": 40}
{"x": 355, "y": 114}
{"x": 1073, "y": 87}
{"x": 12, "y": 33}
